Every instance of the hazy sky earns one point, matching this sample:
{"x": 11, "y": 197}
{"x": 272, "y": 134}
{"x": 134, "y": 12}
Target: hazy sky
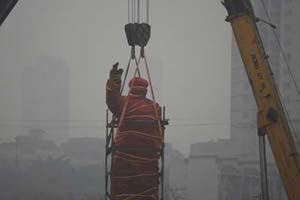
{"x": 189, "y": 53}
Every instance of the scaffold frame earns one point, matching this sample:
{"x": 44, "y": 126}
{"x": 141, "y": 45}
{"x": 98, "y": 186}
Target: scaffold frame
{"x": 111, "y": 125}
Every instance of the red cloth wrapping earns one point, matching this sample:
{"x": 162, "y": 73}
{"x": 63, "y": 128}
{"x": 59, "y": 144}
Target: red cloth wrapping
{"x": 135, "y": 174}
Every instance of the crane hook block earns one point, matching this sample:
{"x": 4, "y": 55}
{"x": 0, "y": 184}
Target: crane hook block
{"x": 138, "y": 34}
{"x": 143, "y": 34}
{"x": 130, "y": 30}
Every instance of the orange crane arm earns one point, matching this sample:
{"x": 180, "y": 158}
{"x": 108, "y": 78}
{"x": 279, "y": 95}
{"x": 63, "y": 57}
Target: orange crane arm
{"x": 271, "y": 117}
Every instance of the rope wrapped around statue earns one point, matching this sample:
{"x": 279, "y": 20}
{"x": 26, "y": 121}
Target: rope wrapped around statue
{"x": 135, "y": 174}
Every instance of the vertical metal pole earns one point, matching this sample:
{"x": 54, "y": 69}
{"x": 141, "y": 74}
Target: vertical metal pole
{"x": 132, "y": 11}
{"x": 106, "y": 146}
{"x": 138, "y": 10}
{"x": 263, "y": 164}
{"x": 163, "y": 156}
{"x": 134, "y": 7}
{"x": 147, "y": 11}
{"x": 17, "y": 169}
{"x": 164, "y": 112}
{"x": 112, "y": 150}
{"x": 162, "y": 170}
{"x": 128, "y": 11}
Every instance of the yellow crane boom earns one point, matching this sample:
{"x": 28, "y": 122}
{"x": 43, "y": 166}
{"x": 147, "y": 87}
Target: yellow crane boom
{"x": 271, "y": 117}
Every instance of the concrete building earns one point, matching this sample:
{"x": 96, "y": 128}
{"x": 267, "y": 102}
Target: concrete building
{"x": 45, "y": 99}
{"x": 290, "y": 40}
{"x": 202, "y": 177}
{"x": 8, "y": 158}
{"x": 284, "y": 15}
{"x": 243, "y": 106}
{"x": 27, "y": 149}
{"x": 217, "y": 172}
{"x": 175, "y": 174}
{"x": 85, "y": 151}
{"x": 34, "y": 147}
{"x": 229, "y": 169}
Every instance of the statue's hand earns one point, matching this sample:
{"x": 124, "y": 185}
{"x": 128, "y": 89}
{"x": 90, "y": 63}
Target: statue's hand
{"x": 115, "y": 73}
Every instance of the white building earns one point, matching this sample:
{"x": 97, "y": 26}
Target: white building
{"x": 175, "y": 177}
{"x": 217, "y": 172}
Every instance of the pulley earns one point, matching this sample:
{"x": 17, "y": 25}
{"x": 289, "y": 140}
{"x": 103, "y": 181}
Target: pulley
{"x": 138, "y": 30}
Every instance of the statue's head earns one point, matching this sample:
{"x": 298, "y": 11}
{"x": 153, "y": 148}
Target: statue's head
{"x": 138, "y": 86}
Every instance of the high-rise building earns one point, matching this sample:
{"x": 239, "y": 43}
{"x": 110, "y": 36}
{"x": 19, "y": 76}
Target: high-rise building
{"x": 229, "y": 169}
{"x": 284, "y": 14}
{"x": 45, "y": 99}
{"x": 216, "y": 171}
{"x": 243, "y": 108}
{"x": 290, "y": 40}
